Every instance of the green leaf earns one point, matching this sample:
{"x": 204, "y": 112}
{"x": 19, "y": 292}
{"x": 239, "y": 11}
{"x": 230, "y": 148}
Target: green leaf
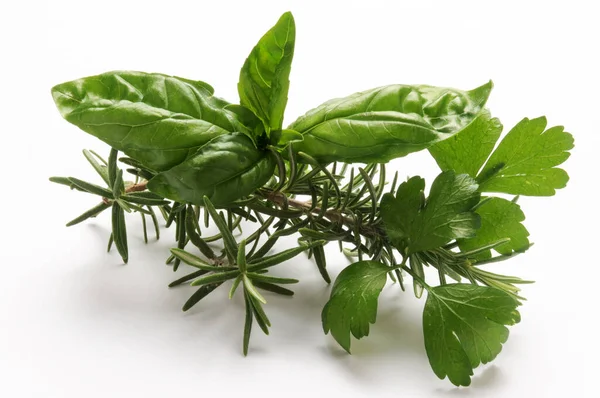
{"x": 258, "y": 264}
{"x": 321, "y": 262}
{"x": 119, "y": 184}
{"x": 234, "y": 285}
{"x": 214, "y": 278}
{"x": 101, "y": 169}
{"x": 112, "y": 167}
{"x": 524, "y": 162}
{"x": 187, "y": 278}
{"x": 416, "y": 265}
{"x": 271, "y": 279}
{"x": 241, "y": 256}
{"x": 250, "y": 120}
{"x": 500, "y": 218}
{"x": 247, "y": 324}
{"x": 144, "y": 228}
{"x": 387, "y": 122}
{"x": 133, "y": 207}
{"x": 180, "y": 235}
{"x": 463, "y": 326}
{"x": 273, "y": 288}
{"x": 400, "y": 214}
{"x": 156, "y": 119}
{"x": 110, "y": 242}
{"x": 155, "y": 222}
{"x": 196, "y": 261}
{"x": 141, "y": 170}
{"x": 249, "y": 287}
{"x": 192, "y": 229}
{"x": 91, "y": 188}
{"x": 65, "y": 181}
{"x": 414, "y": 225}
{"x": 93, "y": 212}
{"x": 468, "y": 150}
{"x": 119, "y": 231}
{"x": 144, "y": 198}
{"x": 146, "y": 195}
{"x": 202, "y": 292}
{"x": 228, "y": 240}
{"x": 282, "y": 138}
{"x": 225, "y": 169}
{"x": 259, "y": 313}
{"x": 353, "y": 302}
{"x": 124, "y": 205}
{"x": 264, "y": 78}
{"x": 246, "y": 116}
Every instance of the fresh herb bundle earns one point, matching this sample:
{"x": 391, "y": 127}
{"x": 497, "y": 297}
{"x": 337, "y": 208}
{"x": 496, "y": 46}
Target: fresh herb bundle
{"x": 198, "y": 159}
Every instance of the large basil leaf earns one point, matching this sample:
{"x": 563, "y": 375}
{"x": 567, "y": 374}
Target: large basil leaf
{"x": 225, "y": 169}
{"x": 156, "y": 119}
{"x": 264, "y": 78}
{"x": 387, "y": 122}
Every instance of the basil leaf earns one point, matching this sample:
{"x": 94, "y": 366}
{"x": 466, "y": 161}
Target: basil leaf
{"x": 156, "y": 119}
{"x": 500, "y": 218}
{"x": 225, "y": 169}
{"x": 248, "y": 119}
{"x": 463, "y": 326}
{"x": 524, "y": 162}
{"x": 353, "y": 302}
{"x": 282, "y": 138}
{"x": 387, "y": 122}
{"x": 414, "y": 225}
{"x": 264, "y": 78}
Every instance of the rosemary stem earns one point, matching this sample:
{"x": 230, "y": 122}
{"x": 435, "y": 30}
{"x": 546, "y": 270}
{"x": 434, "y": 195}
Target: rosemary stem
{"x": 280, "y": 199}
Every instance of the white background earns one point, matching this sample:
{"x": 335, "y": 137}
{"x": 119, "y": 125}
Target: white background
{"x": 75, "y": 322}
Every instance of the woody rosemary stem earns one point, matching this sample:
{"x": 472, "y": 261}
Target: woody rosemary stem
{"x": 280, "y": 200}
{"x": 333, "y": 215}
{"x": 142, "y": 186}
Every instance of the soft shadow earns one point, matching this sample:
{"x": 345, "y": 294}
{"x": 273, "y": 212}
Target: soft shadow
{"x": 395, "y": 331}
{"x": 102, "y": 296}
{"x": 395, "y": 341}
{"x": 101, "y": 232}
